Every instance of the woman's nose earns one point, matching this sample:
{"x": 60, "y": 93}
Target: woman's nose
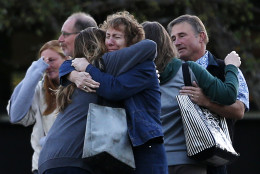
{"x": 110, "y": 41}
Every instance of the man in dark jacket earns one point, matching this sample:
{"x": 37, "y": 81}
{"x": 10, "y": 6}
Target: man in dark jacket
{"x": 190, "y": 37}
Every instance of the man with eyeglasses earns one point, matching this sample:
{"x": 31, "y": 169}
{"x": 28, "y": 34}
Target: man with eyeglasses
{"x": 70, "y": 29}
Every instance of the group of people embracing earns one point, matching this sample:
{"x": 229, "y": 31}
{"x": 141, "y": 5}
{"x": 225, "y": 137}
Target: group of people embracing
{"x": 119, "y": 62}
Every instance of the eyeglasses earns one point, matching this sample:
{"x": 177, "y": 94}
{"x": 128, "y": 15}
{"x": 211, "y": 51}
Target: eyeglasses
{"x": 66, "y": 34}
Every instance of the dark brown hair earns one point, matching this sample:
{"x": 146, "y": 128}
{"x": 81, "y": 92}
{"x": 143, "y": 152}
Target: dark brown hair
{"x": 165, "y": 48}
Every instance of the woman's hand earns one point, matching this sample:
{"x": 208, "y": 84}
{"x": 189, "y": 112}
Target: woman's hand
{"x": 196, "y": 94}
{"x": 83, "y": 81}
{"x": 46, "y": 60}
{"x": 233, "y": 59}
{"x": 80, "y": 64}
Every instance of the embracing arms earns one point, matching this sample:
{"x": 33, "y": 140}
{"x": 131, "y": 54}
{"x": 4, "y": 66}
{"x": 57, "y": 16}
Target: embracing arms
{"x": 221, "y": 92}
{"x": 233, "y": 111}
{"x": 116, "y": 62}
{"x": 142, "y": 76}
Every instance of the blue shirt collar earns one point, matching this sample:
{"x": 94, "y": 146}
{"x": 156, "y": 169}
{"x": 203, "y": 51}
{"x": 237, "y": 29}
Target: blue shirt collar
{"x": 206, "y": 60}
{"x": 203, "y": 61}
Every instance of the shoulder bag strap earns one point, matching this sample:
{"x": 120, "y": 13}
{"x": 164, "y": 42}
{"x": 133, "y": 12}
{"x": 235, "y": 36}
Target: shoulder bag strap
{"x": 186, "y": 74}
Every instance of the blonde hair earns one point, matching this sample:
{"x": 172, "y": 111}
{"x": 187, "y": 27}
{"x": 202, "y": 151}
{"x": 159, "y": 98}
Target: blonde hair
{"x": 49, "y": 85}
{"x": 90, "y": 43}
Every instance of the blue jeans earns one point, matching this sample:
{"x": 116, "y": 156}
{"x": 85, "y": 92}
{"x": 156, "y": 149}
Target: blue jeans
{"x": 150, "y": 158}
{"x": 66, "y": 170}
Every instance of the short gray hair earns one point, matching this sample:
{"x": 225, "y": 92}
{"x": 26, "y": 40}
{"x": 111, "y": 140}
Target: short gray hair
{"x": 193, "y": 20}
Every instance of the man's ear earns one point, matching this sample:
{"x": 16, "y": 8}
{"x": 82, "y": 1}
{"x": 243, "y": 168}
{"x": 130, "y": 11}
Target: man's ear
{"x": 202, "y": 36}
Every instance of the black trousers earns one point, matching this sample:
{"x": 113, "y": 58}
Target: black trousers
{"x": 217, "y": 170}
{"x": 188, "y": 169}
{"x": 67, "y": 170}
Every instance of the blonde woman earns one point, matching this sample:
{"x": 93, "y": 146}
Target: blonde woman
{"x": 33, "y": 100}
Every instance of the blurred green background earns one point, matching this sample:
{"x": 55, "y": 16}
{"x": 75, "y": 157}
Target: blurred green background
{"x": 231, "y": 24}
{"x": 26, "y": 25}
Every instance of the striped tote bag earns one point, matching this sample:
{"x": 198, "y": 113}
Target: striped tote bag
{"x": 206, "y": 134}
